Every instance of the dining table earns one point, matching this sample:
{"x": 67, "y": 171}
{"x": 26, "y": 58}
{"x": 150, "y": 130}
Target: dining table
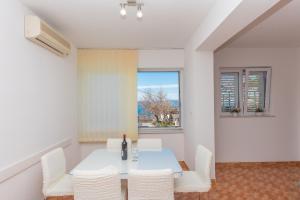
{"x": 140, "y": 160}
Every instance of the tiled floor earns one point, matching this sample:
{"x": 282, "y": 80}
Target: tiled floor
{"x": 258, "y": 181}
{"x": 275, "y": 181}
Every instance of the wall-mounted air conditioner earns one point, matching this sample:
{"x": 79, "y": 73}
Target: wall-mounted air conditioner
{"x": 41, "y": 33}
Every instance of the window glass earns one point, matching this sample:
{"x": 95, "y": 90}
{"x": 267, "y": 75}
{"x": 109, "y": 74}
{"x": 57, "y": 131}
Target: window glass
{"x": 158, "y": 99}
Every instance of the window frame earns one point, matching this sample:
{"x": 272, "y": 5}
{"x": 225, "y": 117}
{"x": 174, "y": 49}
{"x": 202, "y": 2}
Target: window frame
{"x": 243, "y": 102}
{"x": 167, "y": 130}
{"x": 267, "y": 92}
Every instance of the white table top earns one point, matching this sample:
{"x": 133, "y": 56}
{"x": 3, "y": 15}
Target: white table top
{"x": 147, "y": 160}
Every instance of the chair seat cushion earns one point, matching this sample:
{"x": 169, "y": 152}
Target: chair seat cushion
{"x": 190, "y": 181}
{"x": 62, "y": 187}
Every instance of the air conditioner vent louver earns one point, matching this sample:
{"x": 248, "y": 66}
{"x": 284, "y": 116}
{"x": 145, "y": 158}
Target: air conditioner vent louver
{"x": 41, "y": 33}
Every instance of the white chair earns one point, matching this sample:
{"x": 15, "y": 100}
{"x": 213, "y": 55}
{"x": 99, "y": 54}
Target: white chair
{"x": 104, "y": 184}
{"x": 149, "y": 144}
{"x": 115, "y": 144}
{"x": 55, "y": 180}
{"x": 198, "y": 180}
{"x": 151, "y": 184}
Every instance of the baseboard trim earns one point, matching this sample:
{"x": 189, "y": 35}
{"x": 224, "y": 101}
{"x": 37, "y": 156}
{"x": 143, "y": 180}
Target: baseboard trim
{"x": 258, "y": 164}
{"x": 21, "y": 165}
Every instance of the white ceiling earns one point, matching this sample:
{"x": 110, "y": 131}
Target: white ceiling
{"x": 282, "y": 29}
{"x": 97, "y": 23}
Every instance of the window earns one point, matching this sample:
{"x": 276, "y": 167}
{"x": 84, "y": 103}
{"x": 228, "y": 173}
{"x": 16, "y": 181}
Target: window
{"x": 245, "y": 91}
{"x": 159, "y": 104}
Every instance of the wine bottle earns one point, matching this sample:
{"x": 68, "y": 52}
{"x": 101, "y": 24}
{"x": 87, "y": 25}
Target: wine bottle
{"x": 124, "y": 148}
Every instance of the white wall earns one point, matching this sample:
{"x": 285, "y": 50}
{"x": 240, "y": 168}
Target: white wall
{"x": 37, "y": 102}
{"x": 260, "y": 138}
{"x": 297, "y": 139}
{"x": 165, "y": 58}
{"x": 199, "y": 104}
{"x": 222, "y": 23}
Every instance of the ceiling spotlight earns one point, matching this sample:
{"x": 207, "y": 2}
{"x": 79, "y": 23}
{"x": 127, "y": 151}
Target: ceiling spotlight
{"x": 123, "y": 10}
{"x": 131, "y": 3}
{"x": 139, "y": 13}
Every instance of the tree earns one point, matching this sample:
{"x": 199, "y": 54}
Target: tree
{"x": 158, "y": 105}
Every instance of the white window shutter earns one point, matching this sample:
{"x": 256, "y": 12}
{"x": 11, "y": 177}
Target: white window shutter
{"x": 229, "y": 90}
{"x": 257, "y": 89}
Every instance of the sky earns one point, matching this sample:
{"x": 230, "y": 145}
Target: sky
{"x": 168, "y": 81}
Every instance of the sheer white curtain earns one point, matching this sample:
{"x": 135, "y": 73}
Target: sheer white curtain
{"x": 107, "y": 93}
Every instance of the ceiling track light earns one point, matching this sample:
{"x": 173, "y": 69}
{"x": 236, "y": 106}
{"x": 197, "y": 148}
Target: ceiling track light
{"x": 139, "y": 12}
{"x": 137, "y": 3}
{"x": 123, "y": 10}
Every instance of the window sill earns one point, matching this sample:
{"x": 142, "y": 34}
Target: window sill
{"x": 160, "y": 130}
{"x": 247, "y": 116}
